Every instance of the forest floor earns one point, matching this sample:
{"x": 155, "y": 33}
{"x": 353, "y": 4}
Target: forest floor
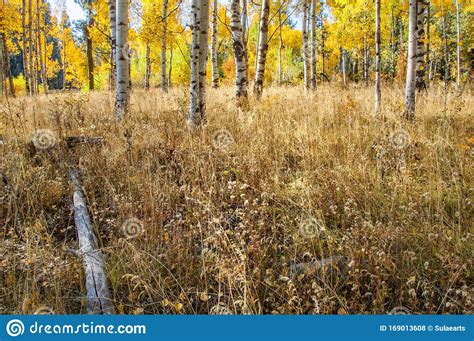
{"x": 305, "y": 204}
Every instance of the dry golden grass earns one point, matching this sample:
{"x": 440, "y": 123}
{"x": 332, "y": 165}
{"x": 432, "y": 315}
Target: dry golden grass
{"x": 224, "y": 228}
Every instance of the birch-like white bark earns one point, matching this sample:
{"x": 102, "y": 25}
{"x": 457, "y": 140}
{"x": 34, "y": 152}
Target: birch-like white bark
{"x": 240, "y": 63}
{"x": 245, "y": 38}
{"x": 420, "y": 83}
{"x": 122, "y": 81}
{"x": 215, "y": 70}
{"x": 313, "y": 44}
{"x": 113, "y": 42}
{"x": 411, "y": 62}
{"x": 203, "y": 55}
{"x": 200, "y": 13}
{"x": 262, "y": 49}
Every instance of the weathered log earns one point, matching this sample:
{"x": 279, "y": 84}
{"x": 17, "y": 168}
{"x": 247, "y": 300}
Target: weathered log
{"x": 98, "y": 296}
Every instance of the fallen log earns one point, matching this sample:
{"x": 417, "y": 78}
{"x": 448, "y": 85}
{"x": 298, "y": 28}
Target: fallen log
{"x": 98, "y": 296}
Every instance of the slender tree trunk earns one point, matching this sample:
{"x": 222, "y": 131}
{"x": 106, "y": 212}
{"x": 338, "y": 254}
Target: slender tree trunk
{"x": 63, "y": 62}
{"x": 392, "y": 41}
{"x": 411, "y": 63}
{"x": 420, "y": 45}
{"x": 30, "y": 49}
{"x": 40, "y": 50}
{"x": 365, "y": 62}
{"x": 378, "y": 92}
{"x": 458, "y": 44}
{"x": 306, "y": 62}
{"x": 170, "y": 70}
{"x": 6, "y": 61}
{"x": 215, "y": 70}
{"x": 195, "y": 107}
{"x": 203, "y": 55}
{"x": 428, "y": 37}
{"x": 245, "y": 38}
{"x": 313, "y": 44}
{"x": 122, "y": 63}
{"x": 344, "y": 61}
{"x": 3, "y": 78}
{"x": 240, "y": 64}
{"x": 147, "y": 66}
{"x": 323, "y": 52}
{"x": 280, "y": 46}
{"x": 112, "y": 42}
{"x": 262, "y": 49}
{"x": 90, "y": 58}
{"x": 197, "y": 112}
{"x": 446, "y": 51}
{"x": 164, "y": 14}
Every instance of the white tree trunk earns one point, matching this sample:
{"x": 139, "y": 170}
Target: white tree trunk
{"x": 313, "y": 44}
{"x": 239, "y": 52}
{"x": 113, "y": 42}
{"x": 420, "y": 82}
{"x": 203, "y": 55}
{"x": 458, "y": 44}
{"x": 245, "y": 38}
{"x": 377, "y": 56}
{"x": 122, "y": 81}
{"x": 411, "y": 63}
{"x": 215, "y": 69}
{"x": 305, "y": 46}
{"x": 200, "y": 12}
{"x": 262, "y": 49}
{"x": 164, "y": 84}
